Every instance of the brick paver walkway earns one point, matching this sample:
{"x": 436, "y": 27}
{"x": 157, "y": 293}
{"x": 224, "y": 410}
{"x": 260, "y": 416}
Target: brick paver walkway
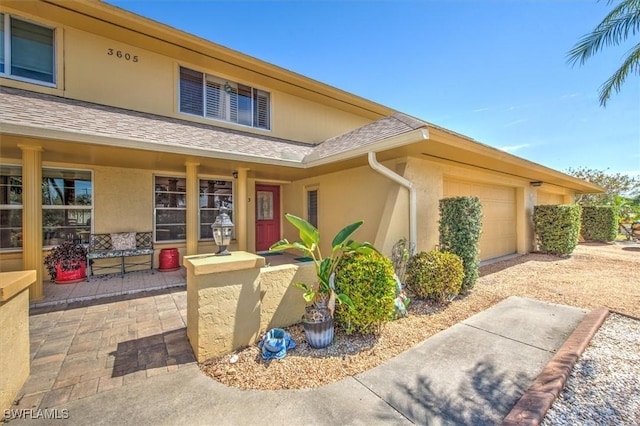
{"x": 81, "y": 350}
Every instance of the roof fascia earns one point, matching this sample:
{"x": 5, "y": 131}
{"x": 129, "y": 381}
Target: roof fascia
{"x": 466, "y": 143}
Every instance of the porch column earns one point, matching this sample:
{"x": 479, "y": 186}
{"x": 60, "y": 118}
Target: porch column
{"x": 193, "y": 196}
{"x": 32, "y": 215}
{"x": 241, "y": 210}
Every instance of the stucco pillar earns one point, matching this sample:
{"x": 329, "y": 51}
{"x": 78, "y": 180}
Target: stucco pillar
{"x": 32, "y": 215}
{"x": 193, "y": 196}
{"x": 241, "y": 209}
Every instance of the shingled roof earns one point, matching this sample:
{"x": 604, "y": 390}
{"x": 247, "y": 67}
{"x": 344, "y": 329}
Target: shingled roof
{"x": 384, "y": 128}
{"x": 42, "y": 111}
{"x": 56, "y": 113}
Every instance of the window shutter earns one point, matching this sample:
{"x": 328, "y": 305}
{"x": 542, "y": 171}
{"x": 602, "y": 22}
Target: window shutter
{"x": 312, "y": 207}
{"x": 31, "y": 51}
{"x": 261, "y": 117}
{"x": 191, "y": 97}
{"x": 215, "y": 99}
{"x": 2, "y": 42}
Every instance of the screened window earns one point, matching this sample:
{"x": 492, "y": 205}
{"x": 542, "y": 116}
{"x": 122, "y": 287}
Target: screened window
{"x": 216, "y": 98}
{"x": 67, "y": 205}
{"x": 170, "y": 211}
{"x": 10, "y": 207}
{"x": 312, "y": 207}
{"x": 216, "y": 196}
{"x": 26, "y": 50}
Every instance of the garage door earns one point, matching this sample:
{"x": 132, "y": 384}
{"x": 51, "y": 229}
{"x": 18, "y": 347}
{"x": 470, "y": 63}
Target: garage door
{"x": 545, "y": 198}
{"x": 499, "y": 215}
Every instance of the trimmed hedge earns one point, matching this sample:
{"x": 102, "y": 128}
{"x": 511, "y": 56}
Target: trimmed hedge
{"x": 460, "y": 229}
{"x": 557, "y": 228}
{"x": 599, "y": 223}
{"x": 435, "y": 275}
{"x": 368, "y": 280}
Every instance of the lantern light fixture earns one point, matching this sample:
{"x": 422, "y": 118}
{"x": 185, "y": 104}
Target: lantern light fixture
{"x": 222, "y": 230}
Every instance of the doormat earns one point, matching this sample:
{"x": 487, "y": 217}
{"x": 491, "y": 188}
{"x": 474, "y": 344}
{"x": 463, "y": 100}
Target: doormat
{"x": 303, "y": 259}
{"x": 275, "y": 253}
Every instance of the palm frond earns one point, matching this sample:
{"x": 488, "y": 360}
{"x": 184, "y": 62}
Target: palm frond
{"x": 631, "y": 64}
{"x": 616, "y": 27}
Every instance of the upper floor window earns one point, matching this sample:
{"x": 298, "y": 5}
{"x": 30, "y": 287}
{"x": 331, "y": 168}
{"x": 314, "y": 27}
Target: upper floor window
{"x": 26, "y": 50}
{"x": 213, "y": 97}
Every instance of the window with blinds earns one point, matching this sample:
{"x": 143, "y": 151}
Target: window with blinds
{"x": 26, "y": 50}
{"x": 312, "y": 207}
{"x": 219, "y": 99}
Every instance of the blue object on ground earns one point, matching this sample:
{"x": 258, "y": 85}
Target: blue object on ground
{"x": 275, "y": 343}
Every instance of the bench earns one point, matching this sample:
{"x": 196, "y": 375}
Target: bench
{"x": 119, "y": 245}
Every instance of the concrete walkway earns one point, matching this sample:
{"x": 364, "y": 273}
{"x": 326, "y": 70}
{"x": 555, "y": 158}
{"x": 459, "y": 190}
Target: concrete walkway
{"x": 472, "y": 373}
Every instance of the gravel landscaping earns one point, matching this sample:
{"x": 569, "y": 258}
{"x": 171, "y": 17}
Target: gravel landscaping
{"x": 595, "y": 275}
{"x": 604, "y": 385}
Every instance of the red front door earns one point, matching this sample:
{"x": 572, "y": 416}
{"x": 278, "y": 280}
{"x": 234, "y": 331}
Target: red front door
{"x": 267, "y": 216}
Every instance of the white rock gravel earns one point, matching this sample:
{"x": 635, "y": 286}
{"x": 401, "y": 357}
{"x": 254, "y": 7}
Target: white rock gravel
{"x": 604, "y": 385}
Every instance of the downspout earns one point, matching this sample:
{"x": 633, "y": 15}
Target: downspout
{"x": 413, "y": 225}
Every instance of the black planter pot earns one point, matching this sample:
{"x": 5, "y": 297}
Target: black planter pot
{"x": 319, "y": 334}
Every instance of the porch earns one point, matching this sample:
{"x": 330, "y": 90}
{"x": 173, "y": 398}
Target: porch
{"x": 112, "y": 285}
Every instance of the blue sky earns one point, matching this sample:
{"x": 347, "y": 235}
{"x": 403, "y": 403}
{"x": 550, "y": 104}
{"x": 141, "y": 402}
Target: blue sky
{"x": 493, "y": 70}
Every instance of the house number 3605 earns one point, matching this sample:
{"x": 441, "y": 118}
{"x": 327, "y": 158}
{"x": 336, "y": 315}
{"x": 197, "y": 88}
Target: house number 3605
{"x": 122, "y": 55}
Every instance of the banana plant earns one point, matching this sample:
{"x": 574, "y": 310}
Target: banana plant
{"x": 309, "y": 244}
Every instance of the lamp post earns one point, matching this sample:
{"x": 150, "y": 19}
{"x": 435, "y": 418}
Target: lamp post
{"x": 222, "y": 229}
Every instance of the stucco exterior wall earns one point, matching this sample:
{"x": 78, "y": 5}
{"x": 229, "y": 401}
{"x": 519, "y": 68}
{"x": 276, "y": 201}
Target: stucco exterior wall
{"x": 429, "y": 178}
{"x": 232, "y": 300}
{"x": 343, "y": 197}
{"x": 544, "y": 198}
{"x": 14, "y": 333}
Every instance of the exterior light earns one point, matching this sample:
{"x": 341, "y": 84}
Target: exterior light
{"x": 536, "y": 183}
{"x": 222, "y": 229}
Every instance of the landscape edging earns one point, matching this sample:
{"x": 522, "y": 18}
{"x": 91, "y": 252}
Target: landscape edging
{"x": 536, "y": 401}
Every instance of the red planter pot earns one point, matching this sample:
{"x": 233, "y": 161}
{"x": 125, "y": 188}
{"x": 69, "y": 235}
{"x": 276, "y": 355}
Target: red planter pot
{"x": 71, "y": 277}
{"x": 169, "y": 260}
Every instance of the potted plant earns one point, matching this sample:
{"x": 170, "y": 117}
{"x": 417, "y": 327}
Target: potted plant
{"x": 321, "y": 295}
{"x": 67, "y": 262}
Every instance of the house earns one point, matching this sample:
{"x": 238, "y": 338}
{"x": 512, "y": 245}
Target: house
{"x": 112, "y": 122}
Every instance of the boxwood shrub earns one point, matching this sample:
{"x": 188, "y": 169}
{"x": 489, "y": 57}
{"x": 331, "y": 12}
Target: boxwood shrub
{"x": 599, "y": 223}
{"x": 460, "y": 229}
{"x": 435, "y": 275}
{"x": 557, "y": 228}
{"x": 367, "y": 279}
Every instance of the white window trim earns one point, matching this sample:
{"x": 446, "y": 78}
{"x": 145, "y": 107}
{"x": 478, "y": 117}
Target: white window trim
{"x": 7, "y": 52}
{"x": 204, "y": 101}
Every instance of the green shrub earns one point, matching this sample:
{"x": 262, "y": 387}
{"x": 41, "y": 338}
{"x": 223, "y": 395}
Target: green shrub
{"x": 367, "y": 279}
{"x": 435, "y": 275}
{"x": 460, "y": 229}
{"x": 557, "y": 228}
{"x": 599, "y": 223}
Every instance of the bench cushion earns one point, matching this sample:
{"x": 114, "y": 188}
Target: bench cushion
{"x": 104, "y": 254}
{"x": 123, "y": 241}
